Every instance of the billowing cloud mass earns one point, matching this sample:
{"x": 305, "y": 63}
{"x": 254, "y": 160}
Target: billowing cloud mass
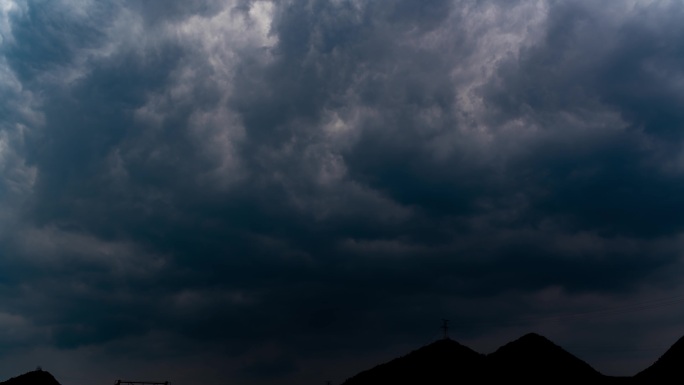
{"x": 261, "y": 192}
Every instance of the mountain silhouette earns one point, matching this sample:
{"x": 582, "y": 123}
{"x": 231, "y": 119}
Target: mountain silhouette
{"x": 441, "y": 362}
{"x": 36, "y": 377}
{"x": 533, "y": 358}
{"x": 669, "y": 368}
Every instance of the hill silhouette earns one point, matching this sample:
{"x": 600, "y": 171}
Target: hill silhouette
{"x": 531, "y": 359}
{"x": 36, "y": 377}
{"x": 441, "y": 362}
{"x": 669, "y": 368}
{"x": 534, "y": 358}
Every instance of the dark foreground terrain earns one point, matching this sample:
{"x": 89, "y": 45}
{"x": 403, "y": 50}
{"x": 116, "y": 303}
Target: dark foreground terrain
{"x": 531, "y": 359}
{"x": 36, "y": 377}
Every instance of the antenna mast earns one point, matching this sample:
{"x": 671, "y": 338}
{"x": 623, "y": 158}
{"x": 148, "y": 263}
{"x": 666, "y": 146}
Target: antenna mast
{"x": 445, "y": 328}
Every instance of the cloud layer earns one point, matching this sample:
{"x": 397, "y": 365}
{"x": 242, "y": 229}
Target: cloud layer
{"x": 274, "y": 185}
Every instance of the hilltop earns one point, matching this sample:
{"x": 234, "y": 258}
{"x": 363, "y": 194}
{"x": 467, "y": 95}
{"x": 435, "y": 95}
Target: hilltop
{"x": 442, "y": 362}
{"x": 535, "y": 358}
{"x": 36, "y": 377}
{"x": 668, "y": 368}
{"x": 531, "y": 359}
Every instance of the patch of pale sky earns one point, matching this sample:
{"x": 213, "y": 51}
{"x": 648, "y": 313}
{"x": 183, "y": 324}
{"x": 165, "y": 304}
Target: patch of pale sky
{"x": 221, "y": 34}
{"x": 24, "y": 102}
{"x": 498, "y": 34}
{"x": 81, "y": 57}
{"x": 7, "y": 9}
{"x": 51, "y": 246}
{"x": 218, "y": 131}
{"x": 21, "y": 178}
{"x": 77, "y": 8}
{"x": 219, "y": 38}
{"x": 334, "y": 126}
{"x": 15, "y": 328}
{"x": 117, "y": 167}
{"x": 342, "y": 126}
{"x": 17, "y": 176}
{"x": 4, "y": 148}
{"x": 501, "y": 34}
{"x": 491, "y": 35}
{"x": 331, "y": 169}
{"x": 384, "y": 209}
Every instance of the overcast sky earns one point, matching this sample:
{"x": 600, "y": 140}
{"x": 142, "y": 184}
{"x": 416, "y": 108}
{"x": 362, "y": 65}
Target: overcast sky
{"x": 290, "y": 192}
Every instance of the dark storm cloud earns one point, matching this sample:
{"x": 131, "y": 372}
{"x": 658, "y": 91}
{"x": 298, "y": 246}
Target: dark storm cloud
{"x": 613, "y": 179}
{"x": 297, "y": 177}
{"x": 173, "y": 11}
{"x": 638, "y": 77}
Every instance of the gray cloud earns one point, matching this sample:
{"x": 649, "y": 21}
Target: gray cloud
{"x": 275, "y": 182}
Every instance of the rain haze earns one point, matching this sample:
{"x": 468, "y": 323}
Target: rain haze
{"x": 290, "y": 192}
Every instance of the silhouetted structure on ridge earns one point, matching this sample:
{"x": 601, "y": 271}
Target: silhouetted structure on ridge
{"x": 531, "y": 359}
{"x": 442, "y": 362}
